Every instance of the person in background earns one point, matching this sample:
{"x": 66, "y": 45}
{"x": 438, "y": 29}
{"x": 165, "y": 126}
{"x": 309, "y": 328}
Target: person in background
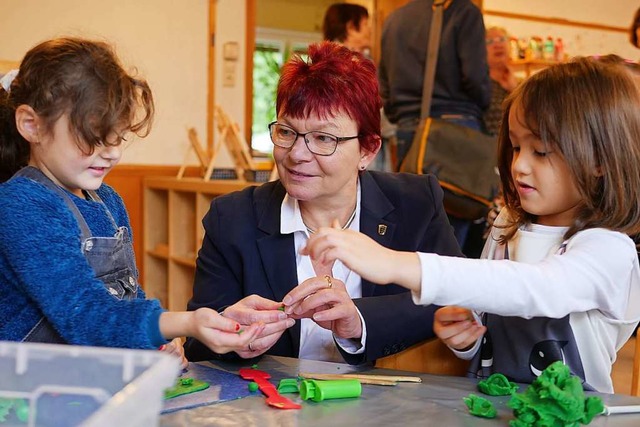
{"x": 461, "y": 89}
{"x": 67, "y": 268}
{"x": 562, "y": 279}
{"x": 503, "y": 79}
{"x": 348, "y": 24}
{"x": 634, "y": 31}
{"x": 250, "y": 261}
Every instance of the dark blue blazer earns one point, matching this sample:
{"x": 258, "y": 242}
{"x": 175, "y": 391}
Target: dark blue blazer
{"x": 243, "y": 253}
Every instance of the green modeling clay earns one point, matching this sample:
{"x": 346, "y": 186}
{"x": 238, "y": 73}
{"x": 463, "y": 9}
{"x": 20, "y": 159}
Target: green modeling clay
{"x": 5, "y": 407}
{"x": 253, "y": 386}
{"x": 22, "y": 409}
{"x": 185, "y": 386}
{"x": 479, "y": 406}
{"x": 555, "y": 398}
{"x": 497, "y": 385}
{"x": 288, "y": 385}
{"x": 20, "y": 406}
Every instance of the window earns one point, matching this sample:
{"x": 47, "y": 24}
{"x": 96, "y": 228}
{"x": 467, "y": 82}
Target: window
{"x": 272, "y": 48}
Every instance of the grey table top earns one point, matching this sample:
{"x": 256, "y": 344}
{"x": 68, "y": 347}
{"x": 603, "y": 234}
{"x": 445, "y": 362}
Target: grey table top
{"x": 437, "y": 401}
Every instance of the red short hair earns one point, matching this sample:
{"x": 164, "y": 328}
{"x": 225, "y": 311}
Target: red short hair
{"x": 334, "y": 79}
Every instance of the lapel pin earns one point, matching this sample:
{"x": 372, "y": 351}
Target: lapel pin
{"x": 382, "y": 229}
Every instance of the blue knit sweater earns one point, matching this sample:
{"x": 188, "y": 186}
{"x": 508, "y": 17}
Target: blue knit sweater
{"x": 43, "y": 271}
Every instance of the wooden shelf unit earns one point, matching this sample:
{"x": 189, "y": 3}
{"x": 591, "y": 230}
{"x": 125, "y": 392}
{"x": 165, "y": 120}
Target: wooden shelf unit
{"x": 173, "y": 211}
{"x": 530, "y": 66}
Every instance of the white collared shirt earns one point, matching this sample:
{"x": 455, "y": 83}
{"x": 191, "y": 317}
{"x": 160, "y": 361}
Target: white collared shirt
{"x": 316, "y": 342}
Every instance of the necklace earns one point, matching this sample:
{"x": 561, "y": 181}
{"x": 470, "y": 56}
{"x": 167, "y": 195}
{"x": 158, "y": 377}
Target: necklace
{"x": 344, "y": 227}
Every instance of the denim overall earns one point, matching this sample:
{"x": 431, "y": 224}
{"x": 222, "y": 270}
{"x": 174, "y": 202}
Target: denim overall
{"x": 111, "y": 258}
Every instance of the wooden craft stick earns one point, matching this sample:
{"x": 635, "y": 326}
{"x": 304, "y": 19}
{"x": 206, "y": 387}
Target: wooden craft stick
{"x": 400, "y": 379}
{"x": 308, "y": 375}
{"x": 388, "y": 378}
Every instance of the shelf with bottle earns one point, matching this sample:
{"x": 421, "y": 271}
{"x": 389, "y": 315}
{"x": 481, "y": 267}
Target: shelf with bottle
{"x": 530, "y": 66}
{"x": 533, "y": 54}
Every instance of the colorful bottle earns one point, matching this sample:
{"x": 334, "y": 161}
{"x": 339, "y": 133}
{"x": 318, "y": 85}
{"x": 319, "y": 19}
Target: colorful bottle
{"x": 523, "y": 48}
{"x": 559, "y": 50}
{"x": 548, "y": 49}
{"x": 535, "y": 44}
{"x": 514, "y": 50}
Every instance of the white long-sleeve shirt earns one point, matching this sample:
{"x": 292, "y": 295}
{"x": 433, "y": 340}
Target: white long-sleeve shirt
{"x": 595, "y": 280}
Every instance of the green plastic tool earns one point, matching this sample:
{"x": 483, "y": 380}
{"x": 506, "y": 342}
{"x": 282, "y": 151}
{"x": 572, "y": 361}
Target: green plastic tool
{"x": 318, "y": 390}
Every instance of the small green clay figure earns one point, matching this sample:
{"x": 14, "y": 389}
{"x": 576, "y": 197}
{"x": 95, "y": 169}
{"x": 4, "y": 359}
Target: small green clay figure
{"x": 555, "y": 398}
{"x": 479, "y": 406}
{"x": 288, "y": 385}
{"x": 497, "y": 385}
{"x": 253, "y": 386}
{"x": 185, "y": 386}
{"x": 20, "y": 406}
{"x": 5, "y": 407}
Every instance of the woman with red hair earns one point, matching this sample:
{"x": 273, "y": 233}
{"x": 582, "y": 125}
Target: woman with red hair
{"x": 326, "y": 133}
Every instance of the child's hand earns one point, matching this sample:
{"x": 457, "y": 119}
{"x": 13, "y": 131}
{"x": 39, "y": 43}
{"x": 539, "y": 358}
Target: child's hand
{"x": 219, "y": 333}
{"x": 175, "y": 348}
{"x": 456, "y": 327}
{"x": 364, "y": 256}
{"x": 222, "y": 334}
{"x": 253, "y": 309}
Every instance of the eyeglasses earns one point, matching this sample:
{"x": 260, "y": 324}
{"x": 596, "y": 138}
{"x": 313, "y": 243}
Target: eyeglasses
{"x": 319, "y": 143}
{"x": 499, "y": 39}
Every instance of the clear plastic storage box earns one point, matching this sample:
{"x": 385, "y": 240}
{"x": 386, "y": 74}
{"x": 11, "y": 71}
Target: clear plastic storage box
{"x": 63, "y": 385}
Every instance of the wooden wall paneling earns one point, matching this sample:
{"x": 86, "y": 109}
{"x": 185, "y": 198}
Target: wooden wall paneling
{"x": 211, "y": 76}
{"x": 556, "y": 21}
{"x": 127, "y": 180}
{"x": 6, "y": 66}
{"x": 174, "y": 235}
{"x": 250, "y": 47}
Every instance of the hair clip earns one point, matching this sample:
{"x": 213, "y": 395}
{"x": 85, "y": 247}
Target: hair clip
{"x": 7, "y": 79}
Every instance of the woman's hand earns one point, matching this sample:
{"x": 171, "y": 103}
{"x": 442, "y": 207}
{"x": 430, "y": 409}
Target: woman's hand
{"x": 220, "y": 334}
{"x": 175, "y": 348}
{"x": 254, "y": 309}
{"x": 325, "y": 300}
{"x": 456, "y": 327}
{"x": 363, "y": 255}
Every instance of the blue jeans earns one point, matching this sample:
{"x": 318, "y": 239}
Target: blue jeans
{"x": 404, "y": 134}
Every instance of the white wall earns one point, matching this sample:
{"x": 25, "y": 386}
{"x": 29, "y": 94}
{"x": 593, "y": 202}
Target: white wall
{"x": 165, "y": 39}
{"x": 230, "y": 27}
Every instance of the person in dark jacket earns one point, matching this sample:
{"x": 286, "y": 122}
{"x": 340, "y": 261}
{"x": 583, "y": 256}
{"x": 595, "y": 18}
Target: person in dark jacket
{"x": 250, "y": 261}
{"x": 462, "y": 88}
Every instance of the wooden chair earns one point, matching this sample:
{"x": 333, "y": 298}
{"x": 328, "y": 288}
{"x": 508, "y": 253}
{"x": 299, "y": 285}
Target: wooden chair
{"x": 429, "y": 357}
{"x": 228, "y": 133}
{"x": 635, "y": 375}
